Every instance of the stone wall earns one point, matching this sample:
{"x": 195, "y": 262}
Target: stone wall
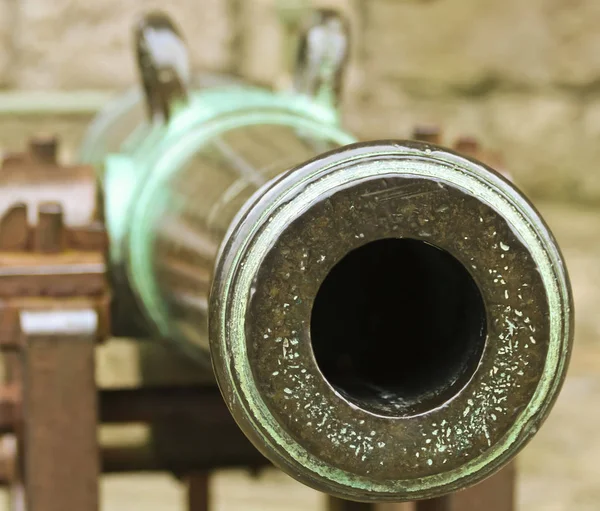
{"x": 523, "y": 76}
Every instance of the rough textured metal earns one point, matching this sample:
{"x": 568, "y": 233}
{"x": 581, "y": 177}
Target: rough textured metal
{"x": 388, "y": 321}
{"x": 394, "y": 429}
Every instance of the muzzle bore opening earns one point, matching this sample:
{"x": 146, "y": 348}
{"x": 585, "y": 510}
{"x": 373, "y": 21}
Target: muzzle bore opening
{"x": 398, "y": 327}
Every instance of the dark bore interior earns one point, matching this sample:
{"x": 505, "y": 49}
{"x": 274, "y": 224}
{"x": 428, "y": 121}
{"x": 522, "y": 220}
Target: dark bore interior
{"x": 398, "y": 326}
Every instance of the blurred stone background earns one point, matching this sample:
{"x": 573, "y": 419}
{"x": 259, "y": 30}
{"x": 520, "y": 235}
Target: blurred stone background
{"x": 522, "y": 76}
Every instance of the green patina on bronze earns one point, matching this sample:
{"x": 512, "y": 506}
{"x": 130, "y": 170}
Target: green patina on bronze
{"x": 153, "y": 194}
{"x": 229, "y": 211}
{"x": 136, "y": 179}
{"x": 264, "y": 415}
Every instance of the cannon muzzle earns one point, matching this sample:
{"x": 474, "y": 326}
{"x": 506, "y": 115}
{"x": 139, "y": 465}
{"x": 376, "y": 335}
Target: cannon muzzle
{"x": 390, "y": 321}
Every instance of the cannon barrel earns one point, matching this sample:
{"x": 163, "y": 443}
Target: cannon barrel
{"x": 386, "y": 320}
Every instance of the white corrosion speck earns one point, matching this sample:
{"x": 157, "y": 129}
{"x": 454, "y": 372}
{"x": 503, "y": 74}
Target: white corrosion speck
{"x": 322, "y": 258}
{"x": 506, "y": 294}
{"x": 372, "y": 433}
{"x": 361, "y": 422}
{"x": 275, "y": 373}
{"x": 532, "y": 340}
{"x": 287, "y": 391}
{"x": 430, "y": 462}
{"x": 504, "y": 247}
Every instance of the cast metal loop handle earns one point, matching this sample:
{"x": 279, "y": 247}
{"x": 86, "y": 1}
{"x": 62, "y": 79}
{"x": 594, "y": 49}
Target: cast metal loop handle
{"x": 163, "y": 64}
{"x": 322, "y": 56}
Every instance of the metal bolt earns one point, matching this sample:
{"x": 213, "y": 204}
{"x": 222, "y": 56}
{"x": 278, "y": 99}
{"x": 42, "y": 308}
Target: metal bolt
{"x": 49, "y": 232}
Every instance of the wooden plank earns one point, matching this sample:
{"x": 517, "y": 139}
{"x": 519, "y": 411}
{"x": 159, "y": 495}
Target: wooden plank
{"x": 61, "y": 462}
{"x": 198, "y": 492}
{"x": 334, "y": 504}
{"x": 497, "y": 493}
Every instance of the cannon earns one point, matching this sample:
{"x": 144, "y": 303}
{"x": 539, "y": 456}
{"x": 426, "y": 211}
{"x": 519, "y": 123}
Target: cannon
{"x": 386, "y": 321}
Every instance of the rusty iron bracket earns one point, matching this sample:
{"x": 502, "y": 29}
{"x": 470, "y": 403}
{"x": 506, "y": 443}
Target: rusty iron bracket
{"x": 54, "y": 302}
